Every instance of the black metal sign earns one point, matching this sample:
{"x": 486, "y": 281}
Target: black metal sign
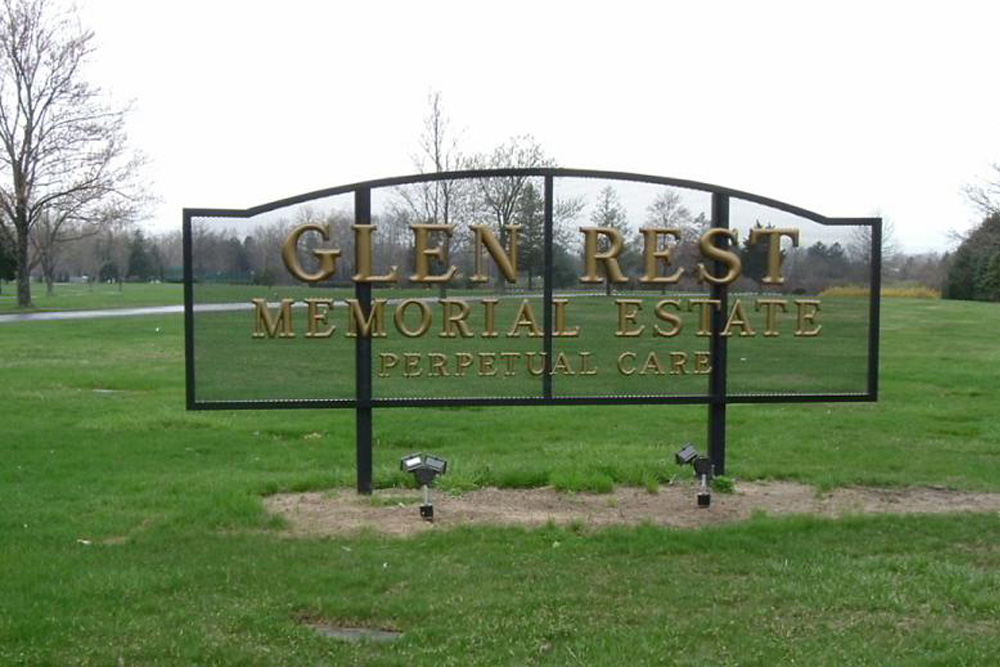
{"x": 528, "y": 287}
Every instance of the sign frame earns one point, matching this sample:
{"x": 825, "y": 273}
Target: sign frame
{"x": 717, "y": 397}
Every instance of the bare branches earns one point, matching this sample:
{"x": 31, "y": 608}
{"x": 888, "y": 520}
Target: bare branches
{"x": 985, "y": 196}
{"x": 668, "y": 210}
{"x": 859, "y": 245}
{"x": 63, "y": 156}
{"x": 501, "y": 193}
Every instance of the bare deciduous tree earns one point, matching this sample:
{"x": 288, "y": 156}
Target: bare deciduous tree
{"x": 57, "y": 227}
{"x": 985, "y": 195}
{"x": 500, "y": 194}
{"x": 859, "y": 245}
{"x": 63, "y": 157}
{"x": 435, "y": 202}
{"x": 498, "y": 197}
{"x": 668, "y": 210}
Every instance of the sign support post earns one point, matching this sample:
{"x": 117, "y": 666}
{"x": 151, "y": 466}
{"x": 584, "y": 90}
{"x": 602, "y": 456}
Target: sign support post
{"x": 363, "y": 362}
{"x": 547, "y": 291}
{"x": 718, "y": 351}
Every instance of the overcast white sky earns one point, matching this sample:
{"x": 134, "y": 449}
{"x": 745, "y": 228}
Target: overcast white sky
{"x": 845, "y": 108}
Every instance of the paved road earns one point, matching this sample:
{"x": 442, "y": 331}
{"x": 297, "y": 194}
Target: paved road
{"x": 221, "y": 307}
{"x": 117, "y": 312}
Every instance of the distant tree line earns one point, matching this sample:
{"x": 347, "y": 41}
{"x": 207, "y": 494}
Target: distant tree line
{"x": 252, "y": 254}
{"x": 118, "y": 251}
{"x": 974, "y": 269}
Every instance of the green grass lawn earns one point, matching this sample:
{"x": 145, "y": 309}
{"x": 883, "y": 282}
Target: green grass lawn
{"x": 131, "y": 531}
{"x": 74, "y": 296}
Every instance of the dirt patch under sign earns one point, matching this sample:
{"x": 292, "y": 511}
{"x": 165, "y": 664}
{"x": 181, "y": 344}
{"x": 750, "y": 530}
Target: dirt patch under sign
{"x": 394, "y": 511}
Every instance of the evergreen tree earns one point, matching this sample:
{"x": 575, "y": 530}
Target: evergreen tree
{"x": 140, "y": 266}
{"x": 530, "y": 216}
{"x": 754, "y": 257}
{"x": 609, "y": 212}
{"x": 8, "y": 260}
{"x": 974, "y": 270}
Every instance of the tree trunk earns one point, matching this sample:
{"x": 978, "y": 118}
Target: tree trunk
{"x": 49, "y": 274}
{"x": 443, "y": 287}
{"x": 23, "y": 270}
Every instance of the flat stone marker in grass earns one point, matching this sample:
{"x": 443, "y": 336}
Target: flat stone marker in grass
{"x": 355, "y": 634}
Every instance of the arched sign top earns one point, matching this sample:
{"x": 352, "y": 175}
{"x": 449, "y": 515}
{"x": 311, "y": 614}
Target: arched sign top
{"x": 554, "y": 172}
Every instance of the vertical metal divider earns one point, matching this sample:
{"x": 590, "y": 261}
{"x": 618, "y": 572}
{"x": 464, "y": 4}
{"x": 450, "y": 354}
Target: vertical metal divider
{"x": 717, "y": 378}
{"x": 363, "y": 361}
{"x": 189, "y": 385}
{"x": 875, "y": 304}
{"x": 547, "y": 291}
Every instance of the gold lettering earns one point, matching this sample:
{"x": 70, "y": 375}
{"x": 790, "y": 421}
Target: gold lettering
{"x": 463, "y": 361}
{"x": 559, "y": 306}
{"x": 678, "y": 361}
{"x": 738, "y": 317}
{"x": 487, "y": 361}
{"x": 411, "y": 365}
{"x": 702, "y": 363}
{"x": 652, "y": 365}
{"x": 317, "y": 316}
{"x": 506, "y": 262}
{"x": 386, "y": 362}
{"x": 265, "y": 325}
{"x": 327, "y": 258}
{"x": 529, "y": 357}
{"x": 621, "y": 363}
{"x": 771, "y": 314}
{"x": 363, "y": 257}
{"x": 628, "y": 309}
{"x": 438, "y": 365}
{"x": 489, "y": 310}
{"x": 705, "y": 320}
{"x": 585, "y": 367}
{"x": 372, "y": 326}
{"x": 652, "y": 254}
{"x": 673, "y": 319}
{"x": 773, "y": 236}
{"x": 525, "y": 318}
{"x": 808, "y": 309}
{"x": 423, "y": 254}
{"x": 608, "y": 258}
{"x": 509, "y": 358}
{"x": 454, "y": 321}
{"x": 399, "y": 317}
{"x": 562, "y": 365}
{"x": 711, "y": 251}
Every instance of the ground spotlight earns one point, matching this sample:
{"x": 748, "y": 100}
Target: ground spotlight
{"x": 425, "y": 468}
{"x": 703, "y": 470}
{"x": 686, "y": 455}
